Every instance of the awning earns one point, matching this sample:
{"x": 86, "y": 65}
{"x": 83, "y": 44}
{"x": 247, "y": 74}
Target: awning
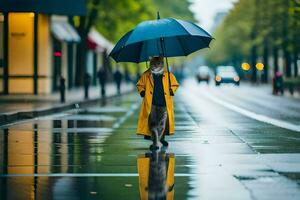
{"x": 98, "y": 42}
{"x": 63, "y": 31}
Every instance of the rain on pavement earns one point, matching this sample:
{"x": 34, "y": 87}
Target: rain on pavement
{"x": 229, "y": 143}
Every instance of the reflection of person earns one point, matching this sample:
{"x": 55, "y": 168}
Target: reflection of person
{"x": 118, "y": 78}
{"x": 101, "y": 74}
{"x": 157, "y": 95}
{"x": 156, "y": 175}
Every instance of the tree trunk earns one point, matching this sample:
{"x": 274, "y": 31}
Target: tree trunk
{"x": 81, "y": 61}
{"x": 275, "y": 59}
{"x": 295, "y": 59}
{"x": 286, "y": 40}
{"x": 253, "y": 63}
{"x": 266, "y": 63}
{"x": 81, "y": 53}
{"x": 288, "y": 71}
{"x": 86, "y": 22}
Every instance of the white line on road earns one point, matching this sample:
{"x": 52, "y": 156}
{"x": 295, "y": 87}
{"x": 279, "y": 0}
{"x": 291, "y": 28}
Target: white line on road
{"x": 86, "y": 175}
{"x": 121, "y": 120}
{"x": 262, "y": 118}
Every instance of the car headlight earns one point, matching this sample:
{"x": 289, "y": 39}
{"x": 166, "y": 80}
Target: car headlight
{"x": 236, "y": 78}
{"x": 218, "y": 78}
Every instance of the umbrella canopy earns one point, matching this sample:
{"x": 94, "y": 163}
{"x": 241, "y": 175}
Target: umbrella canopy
{"x": 163, "y": 37}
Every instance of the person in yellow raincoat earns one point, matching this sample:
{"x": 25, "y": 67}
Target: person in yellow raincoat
{"x": 156, "y": 117}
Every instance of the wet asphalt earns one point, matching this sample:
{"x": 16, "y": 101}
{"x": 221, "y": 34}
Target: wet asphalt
{"x": 229, "y": 143}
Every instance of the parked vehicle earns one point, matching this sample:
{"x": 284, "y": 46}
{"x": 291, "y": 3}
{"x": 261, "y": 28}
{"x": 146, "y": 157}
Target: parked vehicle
{"x": 203, "y": 74}
{"x": 226, "y": 74}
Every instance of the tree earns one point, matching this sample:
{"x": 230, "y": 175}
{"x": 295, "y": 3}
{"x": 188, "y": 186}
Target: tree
{"x": 259, "y": 29}
{"x": 112, "y": 18}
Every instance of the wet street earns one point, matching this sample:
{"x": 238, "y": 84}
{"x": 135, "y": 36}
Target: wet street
{"x": 230, "y": 143}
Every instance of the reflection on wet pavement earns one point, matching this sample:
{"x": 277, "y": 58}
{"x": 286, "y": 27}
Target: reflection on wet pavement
{"x": 156, "y": 175}
{"x": 94, "y": 153}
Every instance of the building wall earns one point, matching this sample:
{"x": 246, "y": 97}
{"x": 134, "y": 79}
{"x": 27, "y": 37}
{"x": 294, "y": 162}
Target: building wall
{"x": 20, "y": 52}
{"x": 1, "y": 51}
{"x": 64, "y": 62}
{"x": 44, "y": 55}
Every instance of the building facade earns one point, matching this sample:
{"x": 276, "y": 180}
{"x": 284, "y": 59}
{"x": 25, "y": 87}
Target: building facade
{"x": 37, "y": 44}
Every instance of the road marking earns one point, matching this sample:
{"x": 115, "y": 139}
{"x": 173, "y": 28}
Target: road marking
{"x": 86, "y": 175}
{"x": 121, "y": 120}
{"x": 262, "y": 118}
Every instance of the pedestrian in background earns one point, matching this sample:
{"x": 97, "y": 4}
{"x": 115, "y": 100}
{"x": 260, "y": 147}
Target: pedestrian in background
{"x": 87, "y": 82}
{"x": 118, "y": 79}
{"x": 278, "y": 83}
{"x": 101, "y": 74}
{"x": 157, "y": 88}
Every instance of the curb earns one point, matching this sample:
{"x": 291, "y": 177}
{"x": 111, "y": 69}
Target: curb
{"x": 6, "y": 119}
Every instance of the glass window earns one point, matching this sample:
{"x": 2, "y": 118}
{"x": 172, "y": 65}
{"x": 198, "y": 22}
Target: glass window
{"x": 1, "y": 39}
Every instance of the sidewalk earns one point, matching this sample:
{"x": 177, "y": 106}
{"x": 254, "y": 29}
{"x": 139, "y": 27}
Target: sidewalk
{"x": 267, "y": 89}
{"x": 19, "y": 107}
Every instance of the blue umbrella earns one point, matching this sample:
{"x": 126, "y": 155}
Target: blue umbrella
{"x": 167, "y": 37}
{"x": 162, "y": 37}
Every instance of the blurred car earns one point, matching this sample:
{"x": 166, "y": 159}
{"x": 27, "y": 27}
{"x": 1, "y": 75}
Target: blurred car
{"x": 226, "y": 74}
{"x": 203, "y": 74}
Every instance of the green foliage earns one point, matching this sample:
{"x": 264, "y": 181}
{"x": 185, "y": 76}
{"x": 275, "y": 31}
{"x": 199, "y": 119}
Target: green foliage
{"x": 118, "y": 17}
{"x": 254, "y": 23}
{"x": 174, "y": 8}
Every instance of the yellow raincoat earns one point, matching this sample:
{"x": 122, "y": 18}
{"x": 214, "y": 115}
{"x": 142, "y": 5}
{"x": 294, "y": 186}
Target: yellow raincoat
{"x": 143, "y": 164}
{"x": 146, "y": 84}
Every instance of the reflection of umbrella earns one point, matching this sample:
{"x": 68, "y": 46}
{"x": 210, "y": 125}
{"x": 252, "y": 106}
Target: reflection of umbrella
{"x": 162, "y": 37}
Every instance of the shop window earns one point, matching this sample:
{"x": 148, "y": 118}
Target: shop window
{"x": 1, "y": 39}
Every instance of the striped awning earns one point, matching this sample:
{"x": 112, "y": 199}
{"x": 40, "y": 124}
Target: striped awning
{"x": 63, "y": 31}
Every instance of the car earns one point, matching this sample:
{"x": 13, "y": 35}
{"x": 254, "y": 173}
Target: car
{"x": 226, "y": 74}
{"x": 203, "y": 74}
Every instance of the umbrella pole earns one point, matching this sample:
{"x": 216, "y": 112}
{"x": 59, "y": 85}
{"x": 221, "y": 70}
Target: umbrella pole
{"x": 165, "y": 54}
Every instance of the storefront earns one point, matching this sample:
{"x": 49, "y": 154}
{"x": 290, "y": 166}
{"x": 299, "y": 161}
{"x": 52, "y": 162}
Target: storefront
{"x": 65, "y": 39}
{"x": 1, "y": 53}
{"x": 97, "y": 57}
{"x": 28, "y": 52}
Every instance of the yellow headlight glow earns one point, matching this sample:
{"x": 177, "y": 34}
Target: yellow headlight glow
{"x": 246, "y": 66}
{"x": 259, "y": 66}
{"x": 218, "y": 78}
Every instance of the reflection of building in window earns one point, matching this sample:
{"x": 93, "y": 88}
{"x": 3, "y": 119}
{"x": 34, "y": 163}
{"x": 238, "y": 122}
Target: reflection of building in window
{"x": 156, "y": 175}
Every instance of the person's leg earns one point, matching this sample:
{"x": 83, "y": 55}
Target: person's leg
{"x": 152, "y": 121}
{"x": 163, "y": 125}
